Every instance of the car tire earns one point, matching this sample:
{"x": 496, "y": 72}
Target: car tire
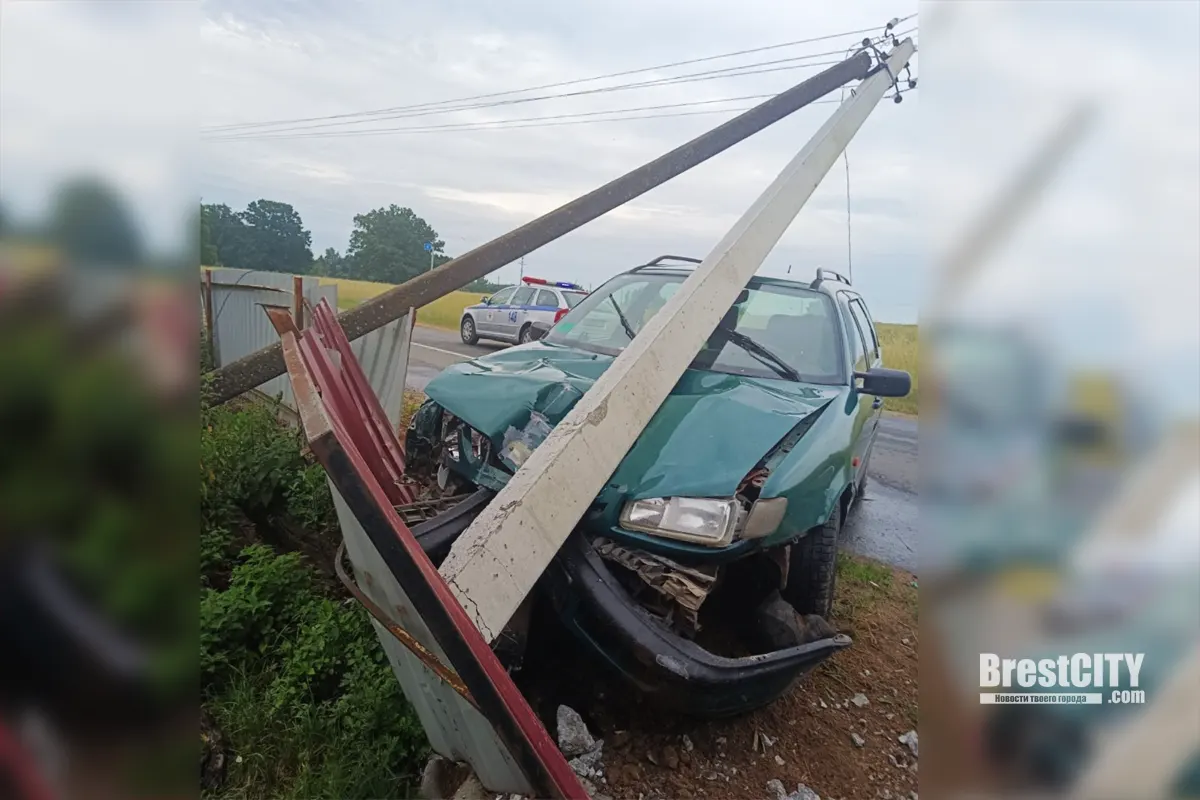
{"x": 467, "y": 330}
{"x": 523, "y": 336}
{"x": 812, "y": 569}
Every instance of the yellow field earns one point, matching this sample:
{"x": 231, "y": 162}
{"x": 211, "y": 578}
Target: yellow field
{"x": 445, "y": 312}
{"x": 900, "y": 351}
{"x": 900, "y": 347}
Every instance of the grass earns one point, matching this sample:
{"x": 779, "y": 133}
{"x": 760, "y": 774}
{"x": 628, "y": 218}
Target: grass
{"x": 445, "y": 312}
{"x": 901, "y": 351}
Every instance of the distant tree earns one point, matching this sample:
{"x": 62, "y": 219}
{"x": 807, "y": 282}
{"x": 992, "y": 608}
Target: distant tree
{"x": 276, "y": 239}
{"x": 330, "y": 264}
{"x": 388, "y": 245}
{"x": 92, "y": 224}
{"x": 227, "y": 233}
{"x": 484, "y": 285}
{"x": 208, "y": 247}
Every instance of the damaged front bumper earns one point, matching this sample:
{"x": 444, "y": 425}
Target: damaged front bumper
{"x": 672, "y": 670}
{"x": 590, "y": 602}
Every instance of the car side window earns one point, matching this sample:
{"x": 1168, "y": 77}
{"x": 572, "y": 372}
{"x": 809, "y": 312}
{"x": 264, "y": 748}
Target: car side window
{"x": 522, "y": 297}
{"x": 545, "y": 298}
{"x": 501, "y": 297}
{"x": 858, "y": 347}
{"x": 864, "y": 322}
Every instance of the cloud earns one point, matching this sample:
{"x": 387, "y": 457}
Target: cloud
{"x": 280, "y": 61}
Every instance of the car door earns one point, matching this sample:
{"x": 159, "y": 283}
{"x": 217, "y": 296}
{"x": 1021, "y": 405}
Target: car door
{"x": 864, "y": 409}
{"x": 486, "y": 319}
{"x": 511, "y": 320}
{"x": 858, "y": 308}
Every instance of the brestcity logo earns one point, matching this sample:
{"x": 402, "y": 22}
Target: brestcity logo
{"x": 1080, "y": 678}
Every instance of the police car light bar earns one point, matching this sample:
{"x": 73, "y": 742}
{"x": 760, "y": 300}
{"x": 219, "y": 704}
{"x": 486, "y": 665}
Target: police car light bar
{"x": 559, "y": 284}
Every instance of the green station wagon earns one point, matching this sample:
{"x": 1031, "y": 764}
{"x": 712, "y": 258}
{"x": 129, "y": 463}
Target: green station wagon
{"x": 725, "y": 513}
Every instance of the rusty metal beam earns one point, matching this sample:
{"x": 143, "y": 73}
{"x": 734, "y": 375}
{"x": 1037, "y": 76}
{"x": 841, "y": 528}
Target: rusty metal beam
{"x": 231, "y": 380}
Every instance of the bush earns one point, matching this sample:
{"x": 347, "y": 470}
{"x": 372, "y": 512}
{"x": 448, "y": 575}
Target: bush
{"x": 296, "y": 680}
{"x": 302, "y": 677}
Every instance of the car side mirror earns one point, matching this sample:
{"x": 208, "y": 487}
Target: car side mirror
{"x": 537, "y": 330}
{"x": 883, "y": 382}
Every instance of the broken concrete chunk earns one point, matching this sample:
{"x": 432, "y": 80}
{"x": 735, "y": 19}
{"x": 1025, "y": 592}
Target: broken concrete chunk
{"x": 776, "y": 790}
{"x": 858, "y": 740}
{"x": 687, "y": 743}
{"x": 803, "y": 793}
{"x": 587, "y": 765}
{"x": 860, "y": 700}
{"x": 573, "y": 736}
{"x": 910, "y": 739}
{"x": 779, "y": 760}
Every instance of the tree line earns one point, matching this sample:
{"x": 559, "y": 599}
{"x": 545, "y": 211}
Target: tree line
{"x": 387, "y": 245}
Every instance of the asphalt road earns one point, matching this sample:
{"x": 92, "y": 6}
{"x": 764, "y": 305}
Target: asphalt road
{"x": 882, "y": 527}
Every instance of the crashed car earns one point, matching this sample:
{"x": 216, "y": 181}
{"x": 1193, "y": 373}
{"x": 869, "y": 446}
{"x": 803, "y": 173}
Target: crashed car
{"x": 725, "y": 513}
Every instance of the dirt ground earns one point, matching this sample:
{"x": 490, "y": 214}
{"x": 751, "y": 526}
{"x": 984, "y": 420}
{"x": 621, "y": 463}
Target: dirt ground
{"x": 803, "y": 738}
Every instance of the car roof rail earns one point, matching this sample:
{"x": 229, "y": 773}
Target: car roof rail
{"x": 658, "y": 262}
{"x": 821, "y": 275}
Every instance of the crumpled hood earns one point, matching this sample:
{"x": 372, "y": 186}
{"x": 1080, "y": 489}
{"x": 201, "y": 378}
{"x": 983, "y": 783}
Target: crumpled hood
{"x": 711, "y": 430}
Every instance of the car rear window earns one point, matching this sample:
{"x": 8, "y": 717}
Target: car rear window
{"x": 573, "y": 298}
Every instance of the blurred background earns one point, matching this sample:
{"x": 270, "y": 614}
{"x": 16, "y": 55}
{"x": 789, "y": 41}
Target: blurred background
{"x": 1059, "y": 443}
{"x": 1060, "y": 460}
{"x": 98, "y": 398}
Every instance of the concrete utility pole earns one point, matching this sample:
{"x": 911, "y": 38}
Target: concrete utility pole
{"x": 253, "y": 370}
{"x": 494, "y": 564}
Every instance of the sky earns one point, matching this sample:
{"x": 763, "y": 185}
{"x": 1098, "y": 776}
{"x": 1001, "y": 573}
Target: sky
{"x": 1105, "y": 264}
{"x": 269, "y": 61}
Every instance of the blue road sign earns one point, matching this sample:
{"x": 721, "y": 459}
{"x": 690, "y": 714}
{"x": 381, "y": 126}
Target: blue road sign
{"x": 429, "y": 247}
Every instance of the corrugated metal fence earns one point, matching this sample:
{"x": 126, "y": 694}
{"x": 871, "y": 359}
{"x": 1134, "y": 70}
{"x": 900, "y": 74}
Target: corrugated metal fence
{"x": 241, "y": 327}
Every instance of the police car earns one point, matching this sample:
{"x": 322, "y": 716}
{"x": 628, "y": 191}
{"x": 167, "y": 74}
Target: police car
{"x": 508, "y": 313}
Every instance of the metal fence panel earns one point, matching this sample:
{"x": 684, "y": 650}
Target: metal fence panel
{"x": 455, "y": 730}
{"x": 240, "y": 327}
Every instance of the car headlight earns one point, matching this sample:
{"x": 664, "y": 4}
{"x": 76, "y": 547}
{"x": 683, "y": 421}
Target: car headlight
{"x": 702, "y": 520}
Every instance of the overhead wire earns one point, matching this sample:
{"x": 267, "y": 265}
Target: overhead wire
{"x": 558, "y": 84}
{"x": 306, "y": 132}
{"x": 724, "y": 72}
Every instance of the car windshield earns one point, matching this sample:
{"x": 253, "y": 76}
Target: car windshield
{"x": 790, "y": 322}
{"x": 573, "y": 298}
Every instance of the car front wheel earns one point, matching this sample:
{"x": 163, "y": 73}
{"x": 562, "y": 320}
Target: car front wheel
{"x": 467, "y": 329}
{"x": 812, "y": 569}
{"x": 523, "y": 337}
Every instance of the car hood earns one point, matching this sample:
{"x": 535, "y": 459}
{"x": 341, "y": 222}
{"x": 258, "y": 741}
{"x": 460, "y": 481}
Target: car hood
{"x": 709, "y": 433}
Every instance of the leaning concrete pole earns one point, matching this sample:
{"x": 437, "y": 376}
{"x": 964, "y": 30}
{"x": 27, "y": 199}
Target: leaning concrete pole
{"x": 246, "y": 373}
{"x": 496, "y": 561}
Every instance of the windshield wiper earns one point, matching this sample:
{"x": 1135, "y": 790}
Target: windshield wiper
{"x": 629, "y": 331}
{"x": 764, "y": 355}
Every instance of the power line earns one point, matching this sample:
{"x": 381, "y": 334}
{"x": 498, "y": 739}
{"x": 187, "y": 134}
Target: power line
{"x": 394, "y": 109}
{"x": 500, "y": 125}
{"x": 304, "y": 131}
{"x": 724, "y": 72}
{"x": 486, "y": 124}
